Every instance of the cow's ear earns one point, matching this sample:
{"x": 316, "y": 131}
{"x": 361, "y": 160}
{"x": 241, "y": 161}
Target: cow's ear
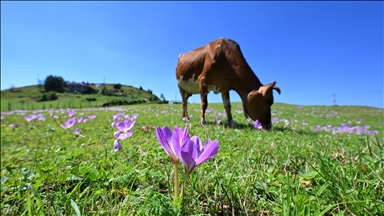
{"x": 264, "y": 89}
{"x": 270, "y": 87}
{"x": 255, "y": 95}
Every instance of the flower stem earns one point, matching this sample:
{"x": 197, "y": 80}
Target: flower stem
{"x": 176, "y": 182}
{"x": 186, "y": 177}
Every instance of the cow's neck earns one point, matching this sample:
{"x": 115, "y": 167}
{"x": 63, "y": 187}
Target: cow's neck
{"x": 249, "y": 82}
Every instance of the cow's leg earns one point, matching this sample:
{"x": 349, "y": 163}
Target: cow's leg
{"x": 227, "y": 106}
{"x": 245, "y": 111}
{"x": 203, "y": 99}
{"x": 184, "y": 97}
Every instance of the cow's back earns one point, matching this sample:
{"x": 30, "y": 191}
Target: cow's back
{"x": 223, "y": 62}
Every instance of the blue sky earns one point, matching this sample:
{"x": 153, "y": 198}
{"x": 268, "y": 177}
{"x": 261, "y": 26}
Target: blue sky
{"x": 311, "y": 49}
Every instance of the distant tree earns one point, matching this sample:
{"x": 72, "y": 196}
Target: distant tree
{"x": 141, "y": 88}
{"x": 54, "y": 83}
{"x": 162, "y": 97}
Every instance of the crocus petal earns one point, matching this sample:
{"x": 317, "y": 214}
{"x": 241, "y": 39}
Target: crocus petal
{"x": 198, "y": 143}
{"x": 123, "y": 136}
{"x": 134, "y": 116}
{"x": 185, "y": 134}
{"x": 117, "y": 146}
{"x": 163, "y": 135}
{"x": 128, "y": 125}
{"x": 167, "y": 133}
{"x": 116, "y": 135}
{"x": 120, "y": 126}
{"x": 188, "y": 155}
{"x": 209, "y": 151}
{"x": 76, "y": 131}
{"x": 116, "y": 117}
{"x": 176, "y": 135}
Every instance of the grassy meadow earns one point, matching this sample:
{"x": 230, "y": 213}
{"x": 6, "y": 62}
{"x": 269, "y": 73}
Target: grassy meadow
{"x": 24, "y": 98}
{"x": 291, "y": 170}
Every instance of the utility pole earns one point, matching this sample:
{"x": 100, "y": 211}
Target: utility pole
{"x": 334, "y": 99}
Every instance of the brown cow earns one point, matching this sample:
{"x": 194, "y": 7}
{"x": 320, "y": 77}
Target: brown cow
{"x": 220, "y": 66}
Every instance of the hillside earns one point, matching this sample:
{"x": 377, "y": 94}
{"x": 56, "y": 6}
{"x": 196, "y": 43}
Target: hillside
{"x": 27, "y": 97}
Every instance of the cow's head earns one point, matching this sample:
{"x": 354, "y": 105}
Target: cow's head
{"x": 259, "y": 102}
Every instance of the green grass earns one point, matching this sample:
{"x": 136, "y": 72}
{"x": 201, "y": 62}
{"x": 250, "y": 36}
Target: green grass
{"x": 292, "y": 170}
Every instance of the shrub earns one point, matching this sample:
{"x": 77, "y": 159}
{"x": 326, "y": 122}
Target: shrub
{"x": 48, "y": 96}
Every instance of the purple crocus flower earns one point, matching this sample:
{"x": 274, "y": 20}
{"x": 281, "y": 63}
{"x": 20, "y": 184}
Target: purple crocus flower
{"x": 192, "y": 153}
{"x": 217, "y": 120}
{"x": 40, "y": 117}
{"x": 69, "y": 123}
{"x": 134, "y": 116}
{"x": 304, "y": 122}
{"x": 124, "y": 129}
{"x": 122, "y": 136}
{"x": 169, "y": 141}
{"x": 371, "y": 132}
{"x": 30, "y": 117}
{"x": 71, "y": 113}
{"x": 82, "y": 119}
{"x": 91, "y": 117}
{"x": 116, "y": 117}
{"x": 248, "y": 119}
{"x": 76, "y": 131}
{"x": 257, "y": 125}
{"x": 117, "y": 146}
{"x": 124, "y": 126}
{"x": 51, "y": 111}
{"x": 275, "y": 119}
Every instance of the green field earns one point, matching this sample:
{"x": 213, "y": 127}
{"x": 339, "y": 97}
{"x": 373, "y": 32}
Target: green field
{"x": 291, "y": 170}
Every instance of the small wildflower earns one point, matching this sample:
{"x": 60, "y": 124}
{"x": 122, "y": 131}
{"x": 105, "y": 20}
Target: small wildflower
{"x": 217, "y": 120}
{"x": 117, "y": 146}
{"x": 257, "y": 125}
{"x": 69, "y": 123}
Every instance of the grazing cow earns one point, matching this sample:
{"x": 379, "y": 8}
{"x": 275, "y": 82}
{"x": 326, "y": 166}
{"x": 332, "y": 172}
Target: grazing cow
{"x": 220, "y": 66}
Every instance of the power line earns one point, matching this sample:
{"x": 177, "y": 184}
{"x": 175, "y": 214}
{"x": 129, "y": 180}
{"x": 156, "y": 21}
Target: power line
{"x": 334, "y": 99}
{"x": 319, "y": 98}
{"x": 373, "y": 92}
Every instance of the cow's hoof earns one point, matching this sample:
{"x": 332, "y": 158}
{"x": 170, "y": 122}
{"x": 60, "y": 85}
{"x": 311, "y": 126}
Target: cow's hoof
{"x": 232, "y": 124}
{"x": 202, "y": 122}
